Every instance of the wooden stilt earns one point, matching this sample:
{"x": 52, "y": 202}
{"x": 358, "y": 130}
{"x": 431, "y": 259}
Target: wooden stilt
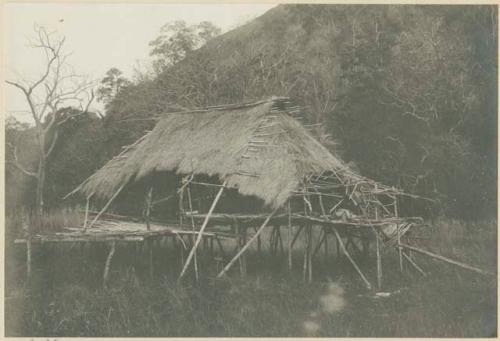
{"x": 221, "y": 248}
{"x": 149, "y": 200}
{"x": 309, "y": 255}
{"x": 398, "y": 236}
{"x": 259, "y": 242}
{"x": 264, "y": 224}
{"x": 107, "y": 264}
{"x": 28, "y": 257}
{"x": 320, "y": 242}
{"x": 301, "y": 227}
{"x": 193, "y": 228}
{"x": 202, "y": 229}
{"x": 237, "y": 236}
{"x": 304, "y": 267}
{"x": 344, "y": 250}
{"x": 243, "y": 256}
{"x": 379, "y": 259}
{"x": 289, "y": 239}
{"x": 87, "y": 205}
{"x": 325, "y": 231}
{"x": 399, "y": 249}
{"x": 279, "y": 239}
{"x": 150, "y": 258}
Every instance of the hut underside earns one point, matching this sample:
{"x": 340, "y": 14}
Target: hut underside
{"x": 256, "y": 152}
{"x": 321, "y": 206}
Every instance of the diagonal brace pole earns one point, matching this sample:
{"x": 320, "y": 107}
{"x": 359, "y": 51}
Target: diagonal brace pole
{"x": 244, "y": 248}
{"x": 202, "y": 229}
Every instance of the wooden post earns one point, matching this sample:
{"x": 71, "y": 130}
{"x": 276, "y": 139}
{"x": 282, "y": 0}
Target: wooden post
{"x": 309, "y": 254}
{"x": 379, "y": 259}
{"x": 237, "y": 236}
{"x": 398, "y": 235}
{"x": 243, "y": 256}
{"x": 28, "y": 257}
{"x": 106, "y": 206}
{"x": 264, "y": 224}
{"x": 193, "y": 229}
{"x": 289, "y": 239}
{"x": 107, "y": 264}
{"x": 149, "y": 200}
{"x": 344, "y": 250}
{"x": 325, "y": 231}
{"x": 304, "y": 266}
{"x": 202, "y": 229}
{"x": 87, "y": 205}
{"x": 150, "y": 250}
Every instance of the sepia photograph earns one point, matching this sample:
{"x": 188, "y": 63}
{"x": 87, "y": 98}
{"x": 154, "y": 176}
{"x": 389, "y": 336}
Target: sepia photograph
{"x": 250, "y": 170}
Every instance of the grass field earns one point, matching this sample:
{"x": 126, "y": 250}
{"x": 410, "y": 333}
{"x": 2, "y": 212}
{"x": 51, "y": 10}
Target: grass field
{"x": 65, "y": 296}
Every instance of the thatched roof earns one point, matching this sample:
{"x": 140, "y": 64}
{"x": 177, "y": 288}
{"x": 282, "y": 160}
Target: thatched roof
{"x": 260, "y": 149}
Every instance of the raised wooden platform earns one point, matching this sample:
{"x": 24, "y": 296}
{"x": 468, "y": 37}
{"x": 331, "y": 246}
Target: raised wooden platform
{"x": 116, "y": 230}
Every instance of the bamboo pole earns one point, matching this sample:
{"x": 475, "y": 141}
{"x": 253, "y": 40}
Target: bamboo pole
{"x": 107, "y": 264}
{"x": 447, "y": 260}
{"x": 87, "y": 205}
{"x": 150, "y": 251}
{"x": 419, "y": 269}
{"x": 190, "y": 203}
{"x": 261, "y": 228}
{"x": 309, "y": 255}
{"x": 289, "y": 239}
{"x": 106, "y": 206}
{"x": 326, "y": 242}
{"x": 149, "y": 199}
{"x": 202, "y": 229}
{"x": 344, "y": 250}
{"x": 379, "y": 259}
{"x": 28, "y": 257}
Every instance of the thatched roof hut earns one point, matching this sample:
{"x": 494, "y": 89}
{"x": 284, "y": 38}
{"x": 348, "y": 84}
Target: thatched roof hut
{"x": 260, "y": 148}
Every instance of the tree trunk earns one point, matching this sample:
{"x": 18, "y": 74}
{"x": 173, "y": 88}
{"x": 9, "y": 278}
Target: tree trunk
{"x": 40, "y": 186}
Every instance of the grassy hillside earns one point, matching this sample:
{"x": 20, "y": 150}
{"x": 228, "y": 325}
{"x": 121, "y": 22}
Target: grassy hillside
{"x": 407, "y": 94}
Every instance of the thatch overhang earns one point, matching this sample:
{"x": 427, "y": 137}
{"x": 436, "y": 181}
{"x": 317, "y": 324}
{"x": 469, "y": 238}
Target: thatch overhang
{"x": 260, "y": 148}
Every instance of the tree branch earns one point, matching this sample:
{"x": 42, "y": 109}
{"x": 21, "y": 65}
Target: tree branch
{"x": 16, "y": 163}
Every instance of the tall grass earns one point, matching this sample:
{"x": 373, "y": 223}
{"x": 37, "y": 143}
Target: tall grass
{"x": 66, "y": 298}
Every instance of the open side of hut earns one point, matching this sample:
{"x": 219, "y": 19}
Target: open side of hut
{"x": 257, "y": 154}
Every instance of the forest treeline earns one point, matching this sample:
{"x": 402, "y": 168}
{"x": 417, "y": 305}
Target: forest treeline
{"x": 407, "y": 95}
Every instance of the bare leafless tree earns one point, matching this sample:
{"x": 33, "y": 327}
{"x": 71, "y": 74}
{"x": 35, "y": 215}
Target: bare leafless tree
{"x": 57, "y": 88}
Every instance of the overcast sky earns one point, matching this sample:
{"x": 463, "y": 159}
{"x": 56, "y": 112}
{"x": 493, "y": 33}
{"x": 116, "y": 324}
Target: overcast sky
{"x": 101, "y": 36}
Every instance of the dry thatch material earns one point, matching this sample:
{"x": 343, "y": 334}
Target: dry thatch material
{"x": 259, "y": 148}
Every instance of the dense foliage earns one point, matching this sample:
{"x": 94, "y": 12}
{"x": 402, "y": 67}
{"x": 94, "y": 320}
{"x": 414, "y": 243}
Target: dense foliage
{"x": 408, "y": 93}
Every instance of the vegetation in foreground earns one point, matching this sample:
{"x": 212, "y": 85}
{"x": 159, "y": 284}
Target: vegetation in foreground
{"x": 65, "y": 296}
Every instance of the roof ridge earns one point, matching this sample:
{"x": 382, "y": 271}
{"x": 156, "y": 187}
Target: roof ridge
{"x": 229, "y": 106}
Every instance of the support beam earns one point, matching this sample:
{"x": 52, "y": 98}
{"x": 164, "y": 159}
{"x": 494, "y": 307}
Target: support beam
{"x": 193, "y": 225}
{"x": 106, "y": 206}
{"x": 149, "y": 200}
{"x": 344, "y": 250}
{"x": 379, "y": 259}
{"x": 28, "y": 257}
{"x": 289, "y": 239}
{"x": 87, "y": 205}
{"x": 202, "y": 229}
{"x": 261, "y": 228}
{"x": 419, "y": 269}
{"x": 107, "y": 264}
{"x": 447, "y": 260}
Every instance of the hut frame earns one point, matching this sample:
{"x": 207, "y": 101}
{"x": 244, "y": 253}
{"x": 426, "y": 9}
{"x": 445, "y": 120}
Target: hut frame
{"x": 322, "y": 194}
